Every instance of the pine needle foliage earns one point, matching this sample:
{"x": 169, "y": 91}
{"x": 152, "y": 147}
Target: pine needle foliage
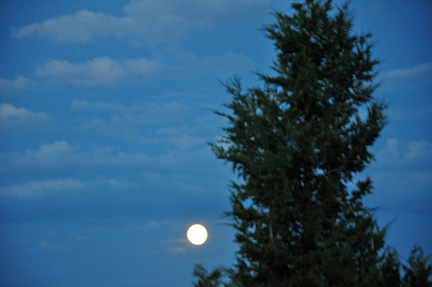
{"x": 297, "y": 143}
{"x": 418, "y": 271}
{"x": 390, "y": 269}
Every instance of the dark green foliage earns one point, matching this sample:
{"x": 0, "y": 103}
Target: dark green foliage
{"x": 207, "y": 280}
{"x": 390, "y": 269}
{"x": 418, "y": 272}
{"x": 297, "y": 144}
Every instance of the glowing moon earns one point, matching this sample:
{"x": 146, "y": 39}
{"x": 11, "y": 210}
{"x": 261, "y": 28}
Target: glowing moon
{"x": 197, "y": 234}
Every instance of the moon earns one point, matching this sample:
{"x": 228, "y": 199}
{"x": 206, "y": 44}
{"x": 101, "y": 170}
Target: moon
{"x": 197, "y": 234}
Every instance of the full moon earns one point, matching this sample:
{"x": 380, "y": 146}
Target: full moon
{"x": 197, "y": 234}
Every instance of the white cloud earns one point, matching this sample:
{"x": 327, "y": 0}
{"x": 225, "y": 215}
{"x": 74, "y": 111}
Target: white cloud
{"x": 82, "y": 27}
{"x": 19, "y": 83}
{"x": 420, "y": 150}
{"x": 390, "y": 152}
{"x": 36, "y": 188}
{"x": 414, "y": 77}
{"x": 12, "y": 117}
{"x": 135, "y": 123}
{"x": 402, "y": 174}
{"x": 145, "y": 20}
{"x": 49, "y": 153}
{"x": 102, "y": 71}
{"x": 62, "y": 155}
{"x": 408, "y": 156}
{"x": 107, "y": 72}
{"x": 152, "y": 124}
{"x": 39, "y": 188}
{"x": 410, "y": 72}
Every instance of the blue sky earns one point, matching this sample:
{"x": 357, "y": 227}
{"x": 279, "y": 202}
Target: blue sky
{"x": 104, "y": 124}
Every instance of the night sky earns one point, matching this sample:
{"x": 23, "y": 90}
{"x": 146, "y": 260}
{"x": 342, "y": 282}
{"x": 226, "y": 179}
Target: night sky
{"x": 105, "y": 116}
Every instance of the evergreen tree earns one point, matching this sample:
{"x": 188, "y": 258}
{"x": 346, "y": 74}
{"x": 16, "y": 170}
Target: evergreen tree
{"x": 390, "y": 269}
{"x": 297, "y": 143}
{"x": 418, "y": 272}
{"x": 204, "y": 279}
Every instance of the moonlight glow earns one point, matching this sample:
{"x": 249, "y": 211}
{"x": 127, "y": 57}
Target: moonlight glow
{"x": 197, "y": 234}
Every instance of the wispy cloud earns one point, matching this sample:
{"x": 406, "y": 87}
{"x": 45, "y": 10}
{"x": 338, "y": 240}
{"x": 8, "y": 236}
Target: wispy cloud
{"x": 19, "y": 83}
{"x": 420, "y": 149}
{"x": 61, "y": 155}
{"x": 144, "y": 21}
{"x": 108, "y": 72}
{"x": 12, "y": 117}
{"x": 102, "y": 71}
{"x": 417, "y": 71}
{"x": 81, "y": 27}
{"x": 402, "y": 175}
{"x": 413, "y": 77}
{"x": 408, "y": 155}
{"x": 154, "y": 124}
{"x": 50, "y": 153}
{"x": 37, "y": 188}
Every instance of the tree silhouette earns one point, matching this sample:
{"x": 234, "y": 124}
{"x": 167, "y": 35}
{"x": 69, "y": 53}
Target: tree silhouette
{"x": 298, "y": 144}
{"x": 418, "y": 272}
